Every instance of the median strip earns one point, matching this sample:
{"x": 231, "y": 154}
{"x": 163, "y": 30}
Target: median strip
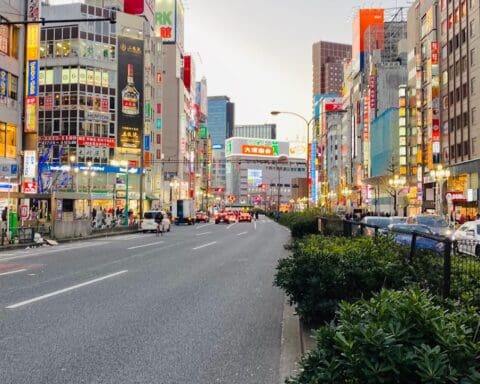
{"x": 146, "y": 245}
{"x": 205, "y": 245}
{"x": 38, "y": 298}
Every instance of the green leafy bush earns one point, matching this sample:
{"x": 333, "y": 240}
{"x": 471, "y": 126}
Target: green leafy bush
{"x": 396, "y": 337}
{"x": 301, "y": 223}
{"x": 322, "y": 271}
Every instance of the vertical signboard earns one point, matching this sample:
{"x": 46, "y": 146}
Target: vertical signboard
{"x": 30, "y": 164}
{"x": 435, "y": 95}
{"x": 32, "y": 68}
{"x": 130, "y": 93}
{"x": 165, "y": 20}
{"x": 313, "y": 172}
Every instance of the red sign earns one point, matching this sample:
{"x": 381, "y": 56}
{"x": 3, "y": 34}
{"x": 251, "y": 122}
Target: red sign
{"x": 434, "y": 52}
{"x": 23, "y": 211}
{"x": 93, "y": 141}
{"x": 333, "y": 107}
{"x": 104, "y": 105}
{"x": 29, "y": 187}
{"x": 258, "y": 150}
{"x": 373, "y": 92}
{"x": 232, "y": 198}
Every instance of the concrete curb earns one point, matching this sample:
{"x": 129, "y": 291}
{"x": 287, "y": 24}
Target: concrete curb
{"x": 8, "y": 247}
{"x": 291, "y": 343}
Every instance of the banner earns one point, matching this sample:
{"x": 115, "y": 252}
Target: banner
{"x": 130, "y": 93}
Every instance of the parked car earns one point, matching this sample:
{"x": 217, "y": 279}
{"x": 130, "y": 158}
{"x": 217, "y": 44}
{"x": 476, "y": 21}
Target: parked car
{"x": 202, "y": 217}
{"x": 379, "y": 221}
{"x": 467, "y": 238}
{"x": 245, "y": 216}
{"x": 148, "y": 222}
{"x": 436, "y": 223}
{"x": 403, "y": 234}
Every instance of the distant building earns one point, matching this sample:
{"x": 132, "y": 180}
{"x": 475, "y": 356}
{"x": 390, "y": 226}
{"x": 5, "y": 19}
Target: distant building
{"x": 327, "y": 59}
{"x": 221, "y": 121}
{"x": 261, "y": 131}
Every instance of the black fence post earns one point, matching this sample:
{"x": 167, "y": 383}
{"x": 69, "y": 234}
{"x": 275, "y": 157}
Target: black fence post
{"x": 347, "y": 228}
{"x": 413, "y": 246}
{"x": 447, "y": 268}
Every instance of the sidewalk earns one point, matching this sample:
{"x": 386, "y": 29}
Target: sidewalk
{"x": 94, "y": 235}
{"x": 296, "y": 341}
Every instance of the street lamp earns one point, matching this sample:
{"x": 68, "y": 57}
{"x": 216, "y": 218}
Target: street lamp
{"x": 397, "y": 183}
{"x": 307, "y": 123}
{"x": 123, "y": 163}
{"x": 439, "y": 175}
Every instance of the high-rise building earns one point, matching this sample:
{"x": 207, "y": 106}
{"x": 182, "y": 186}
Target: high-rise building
{"x": 11, "y": 98}
{"x": 327, "y": 61}
{"x": 221, "y": 122}
{"x": 457, "y": 50}
{"x": 261, "y": 131}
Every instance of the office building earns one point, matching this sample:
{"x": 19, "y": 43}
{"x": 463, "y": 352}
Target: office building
{"x": 260, "y": 131}
{"x": 327, "y": 60}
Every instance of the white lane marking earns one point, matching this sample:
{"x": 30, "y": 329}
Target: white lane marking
{"x": 242, "y": 233}
{"x": 204, "y": 233}
{"x": 255, "y": 224}
{"x": 231, "y": 225}
{"x": 205, "y": 245}
{"x": 47, "y": 250}
{"x": 203, "y": 226}
{"x": 12, "y": 272}
{"x": 38, "y": 298}
{"x": 146, "y": 245}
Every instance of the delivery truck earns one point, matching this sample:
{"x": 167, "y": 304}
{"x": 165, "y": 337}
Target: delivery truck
{"x": 183, "y": 211}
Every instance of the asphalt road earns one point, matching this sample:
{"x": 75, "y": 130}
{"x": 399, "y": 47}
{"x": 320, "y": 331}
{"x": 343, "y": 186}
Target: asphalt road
{"x": 195, "y": 306}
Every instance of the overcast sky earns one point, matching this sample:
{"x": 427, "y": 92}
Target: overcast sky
{"x": 258, "y": 52}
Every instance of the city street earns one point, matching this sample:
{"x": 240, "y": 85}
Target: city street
{"x": 196, "y": 305}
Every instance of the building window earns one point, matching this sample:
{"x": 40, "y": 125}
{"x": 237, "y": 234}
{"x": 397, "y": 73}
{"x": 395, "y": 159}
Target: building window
{"x": 459, "y": 150}
{"x": 474, "y": 115}
{"x": 465, "y": 119}
{"x": 472, "y": 57}
{"x": 452, "y": 151}
{"x": 473, "y": 81}
{"x": 466, "y": 148}
{"x": 472, "y": 28}
{"x": 4, "y": 32}
{"x": 8, "y": 134}
{"x": 13, "y": 87}
{"x": 474, "y": 146}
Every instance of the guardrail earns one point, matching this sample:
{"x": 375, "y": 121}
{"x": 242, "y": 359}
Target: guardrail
{"x": 461, "y": 257}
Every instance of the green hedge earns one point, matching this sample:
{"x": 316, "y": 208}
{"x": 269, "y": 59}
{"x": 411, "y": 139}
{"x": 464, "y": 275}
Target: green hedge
{"x": 396, "y": 337}
{"x": 301, "y": 223}
{"x": 322, "y": 271}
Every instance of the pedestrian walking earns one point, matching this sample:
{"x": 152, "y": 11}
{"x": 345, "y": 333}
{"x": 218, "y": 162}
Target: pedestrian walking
{"x": 158, "y": 221}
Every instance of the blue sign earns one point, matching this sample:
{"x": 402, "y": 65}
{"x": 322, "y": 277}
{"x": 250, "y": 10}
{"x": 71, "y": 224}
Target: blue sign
{"x": 313, "y": 173}
{"x": 94, "y": 168}
{"x": 3, "y": 83}
{"x": 217, "y": 146}
{"x": 13, "y": 169}
{"x": 32, "y": 78}
{"x": 147, "y": 143}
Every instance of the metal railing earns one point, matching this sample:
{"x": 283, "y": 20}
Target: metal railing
{"x": 460, "y": 258}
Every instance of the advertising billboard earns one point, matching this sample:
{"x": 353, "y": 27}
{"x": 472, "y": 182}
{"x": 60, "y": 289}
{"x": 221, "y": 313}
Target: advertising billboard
{"x": 264, "y": 148}
{"x": 254, "y": 178}
{"x": 166, "y": 20}
{"x": 363, "y": 19}
{"x": 32, "y": 69}
{"x": 130, "y": 93}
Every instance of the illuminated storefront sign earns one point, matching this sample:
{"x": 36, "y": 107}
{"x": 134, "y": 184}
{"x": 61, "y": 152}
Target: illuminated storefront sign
{"x": 32, "y": 71}
{"x": 30, "y": 164}
{"x": 257, "y": 150}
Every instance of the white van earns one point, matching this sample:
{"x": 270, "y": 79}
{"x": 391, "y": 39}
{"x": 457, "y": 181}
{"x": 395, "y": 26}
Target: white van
{"x": 148, "y": 222}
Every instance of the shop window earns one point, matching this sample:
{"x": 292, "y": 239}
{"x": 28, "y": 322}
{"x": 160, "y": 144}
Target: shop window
{"x": 8, "y": 136}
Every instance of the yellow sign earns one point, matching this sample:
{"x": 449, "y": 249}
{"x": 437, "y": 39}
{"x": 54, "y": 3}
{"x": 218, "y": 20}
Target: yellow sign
{"x": 33, "y": 39}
